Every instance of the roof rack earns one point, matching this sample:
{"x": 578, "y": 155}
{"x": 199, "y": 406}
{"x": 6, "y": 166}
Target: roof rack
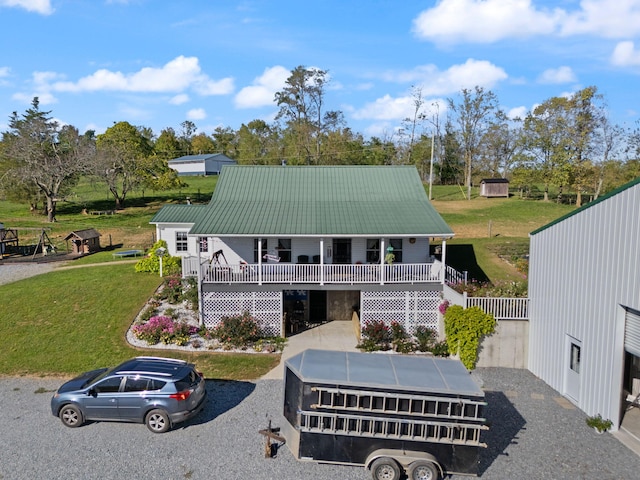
{"x": 176, "y": 360}
{"x": 143, "y": 372}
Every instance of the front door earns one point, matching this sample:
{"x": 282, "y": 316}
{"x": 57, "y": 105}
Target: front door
{"x": 341, "y": 251}
{"x": 572, "y": 369}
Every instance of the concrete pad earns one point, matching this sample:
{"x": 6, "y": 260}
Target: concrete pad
{"x": 564, "y": 403}
{"x": 336, "y": 335}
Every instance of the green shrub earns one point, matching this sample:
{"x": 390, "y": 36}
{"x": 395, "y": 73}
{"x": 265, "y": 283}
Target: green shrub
{"x": 172, "y": 290}
{"x": 464, "y": 328}
{"x": 151, "y": 263}
{"x": 375, "y": 336}
{"x": 400, "y": 339}
{"x": 190, "y": 293}
{"x": 237, "y": 331}
{"x": 425, "y": 338}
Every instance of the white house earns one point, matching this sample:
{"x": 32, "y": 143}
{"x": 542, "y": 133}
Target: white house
{"x": 584, "y": 290}
{"x": 206, "y": 164}
{"x": 318, "y": 242}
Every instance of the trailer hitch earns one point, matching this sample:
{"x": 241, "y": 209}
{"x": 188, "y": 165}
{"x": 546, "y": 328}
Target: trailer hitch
{"x": 273, "y": 440}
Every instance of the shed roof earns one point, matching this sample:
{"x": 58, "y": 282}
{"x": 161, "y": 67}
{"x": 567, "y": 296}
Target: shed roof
{"x": 603, "y": 198}
{"x": 397, "y": 372}
{"x": 494, "y": 180}
{"x": 317, "y": 201}
{"x": 83, "y": 234}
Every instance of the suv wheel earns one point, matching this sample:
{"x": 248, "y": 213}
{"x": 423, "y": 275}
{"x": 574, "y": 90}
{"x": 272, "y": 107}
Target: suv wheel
{"x": 157, "y": 421}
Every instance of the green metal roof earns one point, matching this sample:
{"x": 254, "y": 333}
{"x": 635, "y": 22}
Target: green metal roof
{"x": 178, "y": 213}
{"x": 588, "y": 205}
{"x": 316, "y": 201}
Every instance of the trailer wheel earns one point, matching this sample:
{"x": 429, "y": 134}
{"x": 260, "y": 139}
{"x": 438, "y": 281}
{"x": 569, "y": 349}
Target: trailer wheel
{"x": 422, "y": 470}
{"x": 385, "y": 468}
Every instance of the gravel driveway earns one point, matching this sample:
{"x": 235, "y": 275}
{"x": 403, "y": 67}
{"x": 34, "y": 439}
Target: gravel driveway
{"x": 534, "y": 434}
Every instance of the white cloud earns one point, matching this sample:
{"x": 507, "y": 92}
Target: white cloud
{"x": 605, "y": 18}
{"x": 487, "y": 21}
{"x": 39, "y": 6}
{"x": 179, "y": 74}
{"x": 625, "y": 55}
{"x": 4, "y": 71}
{"x": 263, "y": 89}
{"x": 196, "y": 114}
{"x": 517, "y": 112}
{"x": 179, "y": 99}
{"x": 436, "y": 82}
{"x": 484, "y": 21}
{"x": 431, "y": 82}
{"x": 562, "y": 74}
{"x": 45, "y": 98}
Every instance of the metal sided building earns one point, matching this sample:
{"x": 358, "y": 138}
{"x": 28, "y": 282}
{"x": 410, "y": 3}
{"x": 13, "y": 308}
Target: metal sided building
{"x": 353, "y": 408}
{"x": 584, "y": 290}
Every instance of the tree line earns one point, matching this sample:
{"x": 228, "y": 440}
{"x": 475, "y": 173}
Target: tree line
{"x": 568, "y": 143}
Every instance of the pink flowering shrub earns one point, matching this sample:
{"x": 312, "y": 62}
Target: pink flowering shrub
{"x": 164, "y": 329}
{"x": 442, "y": 308}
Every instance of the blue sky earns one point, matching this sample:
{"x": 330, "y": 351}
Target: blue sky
{"x": 158, "y": 63}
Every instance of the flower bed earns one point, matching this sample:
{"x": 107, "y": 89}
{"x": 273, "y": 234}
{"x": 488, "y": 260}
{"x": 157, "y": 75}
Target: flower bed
{"x": 168, "y": 322}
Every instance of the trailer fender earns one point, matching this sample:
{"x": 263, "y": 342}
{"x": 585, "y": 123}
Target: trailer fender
{"x": 403, "y": 457}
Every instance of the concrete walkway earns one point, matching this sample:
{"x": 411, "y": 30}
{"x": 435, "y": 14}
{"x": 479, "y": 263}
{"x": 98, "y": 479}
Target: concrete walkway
{"x": 336, "y": 335}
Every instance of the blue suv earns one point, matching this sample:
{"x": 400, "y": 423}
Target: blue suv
{"x": 158, "y": 392}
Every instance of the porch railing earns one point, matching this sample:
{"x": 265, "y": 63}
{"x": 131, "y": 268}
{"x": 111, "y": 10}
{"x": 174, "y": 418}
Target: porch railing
{"x": 314, "y": 273}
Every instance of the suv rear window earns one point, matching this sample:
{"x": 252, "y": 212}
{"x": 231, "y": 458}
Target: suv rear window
{"x": 140, "y": 384}
{"x": 188, "y": 381}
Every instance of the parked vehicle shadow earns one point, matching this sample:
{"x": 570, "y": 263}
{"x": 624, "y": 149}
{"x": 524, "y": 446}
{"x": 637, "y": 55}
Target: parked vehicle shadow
{"x": 222, "y": 395}
{"x": 505, "y": 423}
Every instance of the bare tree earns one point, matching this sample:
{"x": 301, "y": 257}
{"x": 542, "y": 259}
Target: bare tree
{"x": 474, "y": 114}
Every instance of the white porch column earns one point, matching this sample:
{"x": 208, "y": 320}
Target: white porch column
{"x": 322, "y": 261}
{"x": 443, "y": 274}
{"x": 259, "y": 261}
{"x": 382, "y": 261}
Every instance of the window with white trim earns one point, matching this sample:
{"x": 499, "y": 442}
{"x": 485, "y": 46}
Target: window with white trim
{"x": 182, "y": 245}
{"x": 396, "y": 243}
{"x": 373, "y": 250}
{"x": 284, "y": 249}
{"x": 204, "y": 244}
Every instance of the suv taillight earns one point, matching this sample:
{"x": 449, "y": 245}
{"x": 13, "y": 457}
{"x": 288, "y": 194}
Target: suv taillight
{"x": 180, "y": 396}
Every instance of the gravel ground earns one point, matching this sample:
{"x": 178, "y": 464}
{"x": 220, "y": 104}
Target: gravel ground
{"x": 532, "y": 436}
{"x": 12, "y": 272}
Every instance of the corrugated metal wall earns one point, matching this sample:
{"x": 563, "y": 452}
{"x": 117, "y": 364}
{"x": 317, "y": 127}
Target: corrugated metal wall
{"x": 583, "y": 271}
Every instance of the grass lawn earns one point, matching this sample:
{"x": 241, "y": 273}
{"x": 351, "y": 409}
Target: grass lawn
{"x": 71, "y": 320}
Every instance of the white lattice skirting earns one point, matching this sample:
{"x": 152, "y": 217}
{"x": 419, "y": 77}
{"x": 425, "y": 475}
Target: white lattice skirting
{"x": 265, "y": 307}
{"x": 410, "y": 309}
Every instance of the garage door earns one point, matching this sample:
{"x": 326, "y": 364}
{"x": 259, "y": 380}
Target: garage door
{"x": 632, "y": 332}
